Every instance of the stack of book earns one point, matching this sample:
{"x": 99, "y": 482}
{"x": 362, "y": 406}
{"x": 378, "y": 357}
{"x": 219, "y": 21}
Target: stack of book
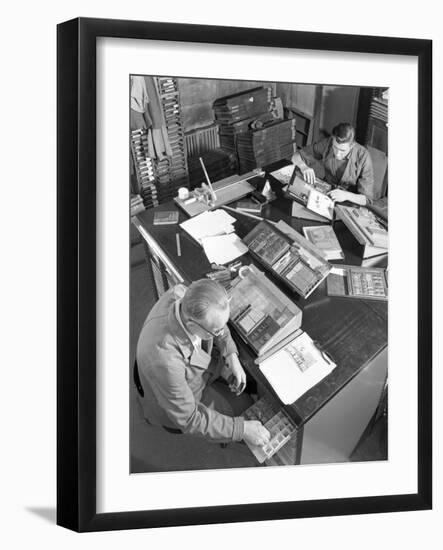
{"x": 144, "y": 168}
{"x": 263, "y": 146}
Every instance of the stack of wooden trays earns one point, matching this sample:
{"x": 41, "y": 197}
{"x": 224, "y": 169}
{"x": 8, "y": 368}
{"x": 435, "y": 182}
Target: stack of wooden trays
{"x": 144, "y": 168}
{"x": 263, "y": 146}
{"x": 172, "y": 172}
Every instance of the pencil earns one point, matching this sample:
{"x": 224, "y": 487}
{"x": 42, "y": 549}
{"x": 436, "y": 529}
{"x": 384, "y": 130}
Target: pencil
{"x": 247, "y": 214}
{"x": 179, "y": 251}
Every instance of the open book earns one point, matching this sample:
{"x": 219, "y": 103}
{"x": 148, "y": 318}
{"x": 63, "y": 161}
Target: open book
{"x": 313, "y": 197}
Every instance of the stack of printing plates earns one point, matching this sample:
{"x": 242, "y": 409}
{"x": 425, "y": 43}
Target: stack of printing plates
{"x": 172, "y": 173}
{"x": 235, "y": 112}
{"x": 144, "y": 168}
{"x": 218, "y": 163}
{"x": 228, "y": 132}
{"x": 379, "y": 109}
{"x": 257, "y": 148}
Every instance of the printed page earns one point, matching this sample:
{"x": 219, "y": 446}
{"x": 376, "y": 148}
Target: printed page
{"x": 296, "y": 368}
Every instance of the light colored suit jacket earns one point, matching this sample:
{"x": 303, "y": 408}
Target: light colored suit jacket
{"x": 172, "y": 384}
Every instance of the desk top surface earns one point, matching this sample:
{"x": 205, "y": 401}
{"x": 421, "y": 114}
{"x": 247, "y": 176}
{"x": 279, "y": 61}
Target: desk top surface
{"x": 352, "y": 331}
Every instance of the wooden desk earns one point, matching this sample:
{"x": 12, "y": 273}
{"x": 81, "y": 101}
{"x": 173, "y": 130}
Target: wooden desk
{"x": 332, "y": 416}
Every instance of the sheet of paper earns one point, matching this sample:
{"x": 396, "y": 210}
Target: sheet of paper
{"x": 283, "y": 174}
{"x": 321, "y": 204}
{"x": 296, "y": 368}
{"x": 223, "y": 248}
{"x": 208, "y": 224}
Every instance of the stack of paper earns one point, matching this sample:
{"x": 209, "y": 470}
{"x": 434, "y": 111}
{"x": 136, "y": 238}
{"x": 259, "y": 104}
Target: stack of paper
{"x": 209, "y": 224}
{"x": 223, "y": 248}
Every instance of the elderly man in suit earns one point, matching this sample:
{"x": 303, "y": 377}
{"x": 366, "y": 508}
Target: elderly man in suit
{"x": 184, "y": 350}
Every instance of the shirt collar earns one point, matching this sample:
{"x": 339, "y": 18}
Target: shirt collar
{"x": 178, "y": 332}
{"x": 195, "y": 340}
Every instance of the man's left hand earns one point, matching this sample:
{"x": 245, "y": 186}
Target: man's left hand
{"x": 238, "y": 383}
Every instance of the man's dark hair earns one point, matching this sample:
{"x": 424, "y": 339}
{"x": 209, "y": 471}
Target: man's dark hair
{"x": 344, "y": 132}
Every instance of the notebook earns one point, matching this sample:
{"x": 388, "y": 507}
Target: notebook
{"x": 167, "y": 217}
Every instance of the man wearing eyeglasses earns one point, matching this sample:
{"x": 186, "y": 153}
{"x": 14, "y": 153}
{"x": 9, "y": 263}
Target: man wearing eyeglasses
{"x": 342, "y": 162}
{"x": 184, "y": 348}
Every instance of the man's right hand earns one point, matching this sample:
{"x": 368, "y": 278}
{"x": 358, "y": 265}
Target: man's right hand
{"x": 255, "y": 433}
{"x": 308, "y": 175}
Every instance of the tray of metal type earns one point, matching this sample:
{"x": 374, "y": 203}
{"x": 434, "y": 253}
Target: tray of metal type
{"x": 276, "y": 422}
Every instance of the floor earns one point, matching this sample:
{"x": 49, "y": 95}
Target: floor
{"x": 155, "y": 450}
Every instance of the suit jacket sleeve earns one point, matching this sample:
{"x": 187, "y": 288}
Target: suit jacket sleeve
{"x": 225, "y": 343}
{"x": 365, "y": 181}
{"x": 168, "y": 382}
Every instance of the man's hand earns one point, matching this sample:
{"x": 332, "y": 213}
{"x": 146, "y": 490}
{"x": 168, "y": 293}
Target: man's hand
{"x": 238, "y": 377}
{"x": 255, "y": 433}
{"x": 339, "y": 195}
{"x": 308, "y": 175}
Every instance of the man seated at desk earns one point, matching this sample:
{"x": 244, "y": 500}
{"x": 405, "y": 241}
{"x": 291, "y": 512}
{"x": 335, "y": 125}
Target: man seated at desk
{"x": 184, "y": 346}
{"x": 342, "y": 162}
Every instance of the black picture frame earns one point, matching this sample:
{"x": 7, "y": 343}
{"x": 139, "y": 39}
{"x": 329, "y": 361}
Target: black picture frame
{"x": 76, "y": 278}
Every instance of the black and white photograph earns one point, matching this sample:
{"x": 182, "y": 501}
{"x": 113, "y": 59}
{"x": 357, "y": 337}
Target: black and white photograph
{"x": 204, "y": 341}
{"x": 258, "y": 273}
